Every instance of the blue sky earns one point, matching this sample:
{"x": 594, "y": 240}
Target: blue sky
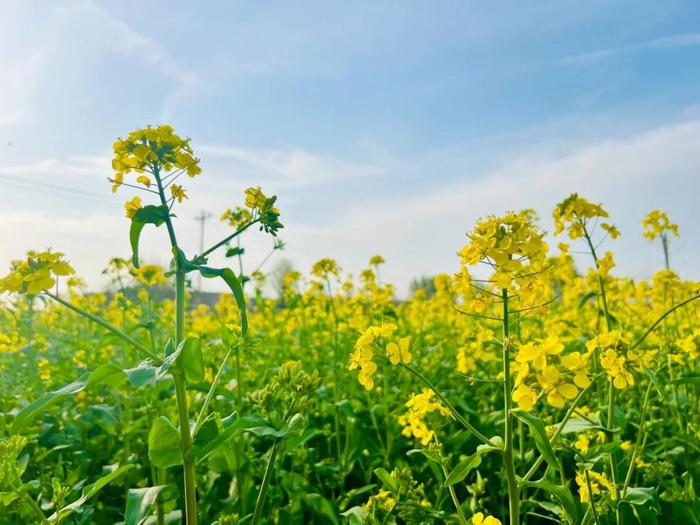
{"x": 384, "y": 127}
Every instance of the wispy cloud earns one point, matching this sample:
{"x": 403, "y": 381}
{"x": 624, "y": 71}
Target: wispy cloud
{"x": 419, "y": 234}
{"x": 666, "y": 42}
{"x": 288, "y": 167}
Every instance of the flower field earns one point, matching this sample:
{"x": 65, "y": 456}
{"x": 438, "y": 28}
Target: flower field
{"x": 520, "y": 388}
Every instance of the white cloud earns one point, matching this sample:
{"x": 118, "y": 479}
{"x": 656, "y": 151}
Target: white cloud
{"x": 60, "y": 43}
{"x": 420, "y": 234}
{"x": 666, "y": 42}
{"x": 288, "y": 167}
{"x": 417, "y": 233}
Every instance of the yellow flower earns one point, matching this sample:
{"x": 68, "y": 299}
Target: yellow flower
{"x": 132, "y": 206}
{"x": 419, "y": 406}
{"x": 525, "y": 397}
{"x": 177, "y": 193}
{"x": 657, "y": 223}
{"x": 255, "y": 198}
{"x": 605, "y": 264}
{"x": 479, "y": 519}
{"x": 597, "y": 483}
{"x": 582, "y": 443}
{"x": 153, "y": 150}
{"x": 399, "y": 353}
{"x": 574, "y": 212}
{"x": 151, "y": 275}
{"x": 324, "y": 268}
{"x": 36, "y": 273}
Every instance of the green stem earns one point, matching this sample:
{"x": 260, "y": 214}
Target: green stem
{"x": 224, "y": 241}
{"x": 466, "y": 424}
{"x": 590, "y": 499}
{"x": 509, "y": 463}
{"x": 336, "y": 408}
{"x": 451, "y": 489}
{"x": 663, "y": 316}
{"x": 210, "y": 394}
{"x": 638, "y": 442}
{"x": 182, "y": 408}
{"x": 116, "y": 331}
{"x": 260, "y": 502}
{"x": 180, "y": 383}
{"x": 558, "y": 431}
{"x": 611, "y": 389}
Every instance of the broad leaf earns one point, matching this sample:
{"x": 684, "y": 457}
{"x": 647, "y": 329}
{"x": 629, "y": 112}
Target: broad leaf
{"x": 164, "y": 444}
{"x": 88, "y": 492}
{"x": 539, "y": 434}
{"x": 235, "y": 285}
{"x": 147, "y": 215}
{"x": 139, "y": 503}
{"x": 563, "y": 494}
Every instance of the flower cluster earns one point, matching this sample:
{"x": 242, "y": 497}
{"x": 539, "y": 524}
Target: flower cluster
{"x": 413, "y": 420}
{"x": 237, "y": 217}
{"x": 597, "y": 482}
{"x": 573, "y": 213}
{"x": 538, "y": 371}
{"x": 363, "y": 356}
{"x": 325, "y": 268}
{"x": 37, "y": 273}
{"x": 148, "y": 149}
{"x": 476, "y": 351}
{"x": 617, "y": 358}
{"x": 514, "y": 248}
{"x": 480, "y": 519}
{"x": 264, "y": 208}
{"x": 381, "y": 500}
{"x": 657, "y": 223}
{"x": 150, "y": 275}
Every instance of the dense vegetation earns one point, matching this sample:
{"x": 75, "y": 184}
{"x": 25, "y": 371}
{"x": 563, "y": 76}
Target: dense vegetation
{"x": 519, "y": 389}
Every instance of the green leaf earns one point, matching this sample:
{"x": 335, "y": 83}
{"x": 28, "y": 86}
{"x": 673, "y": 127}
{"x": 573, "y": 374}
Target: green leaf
{"x": 232, "y": 425}
{"x": 587, "y": 297}
{"x": 139, "y": 503}
{"x": 109, "y": 374}
{"x": 578, "y": 424}
{"x": 190, "y": 359}
{"x": 147, "y": 215}
{"x": 235, "y": 285}
{"x": 539, "y": 434}
{"x": 640, "y": 496}
{"x": 88, "y": 492}
{"x": 322, "y": 507}
{"x": 463, "y": 468}
{"x": 563, "y": 494}
{"x": 466, "y": 465}
{"x": 427, "y": 453}
{"x": 7, "y": 497}
{"x": 164, "y": 444}
{"x": 387, "y": 480}
{"x": 25, "y": 415}
{"x": 654, "y": 381}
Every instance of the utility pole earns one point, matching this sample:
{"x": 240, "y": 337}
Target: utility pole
{"x": 201, "y": 218}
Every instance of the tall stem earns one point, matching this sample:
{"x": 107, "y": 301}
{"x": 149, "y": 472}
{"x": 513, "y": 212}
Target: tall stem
{"x": 611, "y": 388}
{"x": 182, "y": 408}
{"x": 180, "y": 383}
{"x": 508, "y": 460}
{"x": 259, "y": 503}
{"x": 336, "y": 408}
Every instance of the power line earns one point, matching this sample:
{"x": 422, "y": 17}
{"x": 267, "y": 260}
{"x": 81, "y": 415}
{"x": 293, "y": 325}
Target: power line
{"x": 202, "y": 219}
{"x": 54, "y": 189}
